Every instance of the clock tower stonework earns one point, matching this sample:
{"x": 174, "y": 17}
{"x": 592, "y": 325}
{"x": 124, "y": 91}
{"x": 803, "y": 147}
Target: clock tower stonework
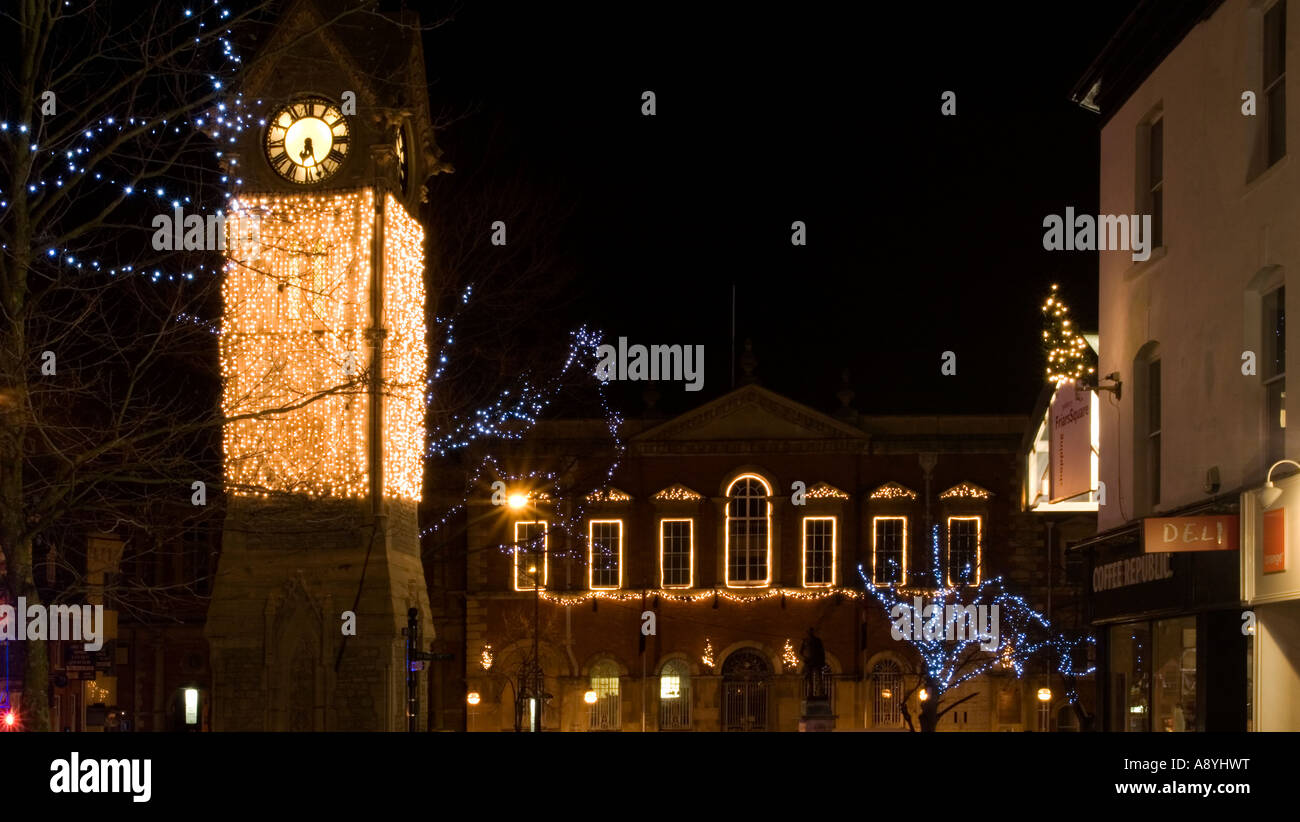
{"x": 324, "y": 357}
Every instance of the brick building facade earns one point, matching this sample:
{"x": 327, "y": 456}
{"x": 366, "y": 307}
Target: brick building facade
{"x": 671, "y": 534}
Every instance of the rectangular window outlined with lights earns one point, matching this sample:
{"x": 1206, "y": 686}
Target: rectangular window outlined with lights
{"x": 605, "y": 554}
{"x": 676, "y": 553}
{"x": 818, "y": 552}
{"x": 964, "y": 550}
{"x": 530, "y": 552}
{"x": 889, "y": 550}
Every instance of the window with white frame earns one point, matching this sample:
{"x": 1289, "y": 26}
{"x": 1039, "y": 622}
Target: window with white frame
{"x": 605, "y": 713}
{"x": 889, "y": 550}
{"x": 963, "y": 550}
{"x": 1274, "y": 96}
{"x": 605, "y": 553}
{"x": 818, "y": 551}
{"x": 749, "y": 532}
{"x": 1273, "y": 370}
{"x": 1156, "y": 181}
{"x": 676, "y": 554}
{"x": 530, "y": 555}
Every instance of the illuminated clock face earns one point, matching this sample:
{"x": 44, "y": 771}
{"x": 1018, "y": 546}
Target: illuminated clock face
{"x": 307, "y": 140}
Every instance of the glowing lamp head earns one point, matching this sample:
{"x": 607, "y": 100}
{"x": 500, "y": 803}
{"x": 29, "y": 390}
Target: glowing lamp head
{"x": 517, "y": 501}
{"x": 923, "y": 695}
{"x": 10, "y": 719}
{"x": 1044, "y": 694}
{"x": 885, "y": 693}
{"x": 589, "y": 697}
{"x": 473, "y": 698}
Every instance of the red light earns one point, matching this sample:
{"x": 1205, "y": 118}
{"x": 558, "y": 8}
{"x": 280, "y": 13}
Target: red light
{"x": 10, "y": 719}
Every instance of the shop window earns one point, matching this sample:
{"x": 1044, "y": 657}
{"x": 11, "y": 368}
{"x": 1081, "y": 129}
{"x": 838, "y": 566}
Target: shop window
{"x": 1130, "y": 677}
{"x": 1174, "y": 688}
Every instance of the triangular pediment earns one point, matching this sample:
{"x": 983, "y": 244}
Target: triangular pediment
{"x": 966, "y": 490}
{"x": 824, "y": 490}
{"x": 752, "y": 413}
{"x": 892, "y": 490}
{"x": 677, "y": 493}
{"x": 609, "y": 495}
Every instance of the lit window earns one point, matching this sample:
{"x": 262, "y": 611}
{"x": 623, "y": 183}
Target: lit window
{"x": 963, "y": 550}
{"x": 605, "y": 711}
{"x": 605, "y": 553}
{"x": 818, "y": 551}
{"x": 530, "y": 555}
{"x": 889, "y": 550}
{"x": 749, "y": 532}
{"x": 674, "y": 696}
{"x": 676, "y": 553}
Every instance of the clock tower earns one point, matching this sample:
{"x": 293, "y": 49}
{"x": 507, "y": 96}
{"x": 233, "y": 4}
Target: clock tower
{"x": 323, "y": 358}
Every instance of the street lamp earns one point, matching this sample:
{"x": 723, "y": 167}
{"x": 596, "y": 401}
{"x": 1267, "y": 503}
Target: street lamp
{"x": 923, "y": 695}
{"x": 590, "y": 697}
{"x": 473, "y": 699}
{"x": 1044, "y": 694}
{"x": 1269, "y": 494}
{"x": 517, "y": 501}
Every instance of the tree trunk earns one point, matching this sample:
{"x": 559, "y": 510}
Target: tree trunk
{"x": 36, "y": 653}
{"x": 930, "y": 714}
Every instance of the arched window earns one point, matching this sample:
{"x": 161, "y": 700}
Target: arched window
{"x": 749, "y": 532}
{"x": 745, "y": 677}
{"x": 606, "y": 711}
{"x": 886, "y": 694}
{"x": 675, "y": 696}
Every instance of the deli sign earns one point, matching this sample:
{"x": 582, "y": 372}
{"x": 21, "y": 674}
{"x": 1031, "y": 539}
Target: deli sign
{"x": 1212, "y": 533}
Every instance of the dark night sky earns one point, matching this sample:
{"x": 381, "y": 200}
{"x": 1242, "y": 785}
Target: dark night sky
{"x": 924, "y": 231}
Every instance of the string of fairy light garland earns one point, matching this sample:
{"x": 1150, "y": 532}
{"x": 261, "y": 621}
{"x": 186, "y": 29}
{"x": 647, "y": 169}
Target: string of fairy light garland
{"x": 89, "y": 155}
{"x": 698, "y": 595}
{"x": 511, "y": 418}
{"x": 1069, "y": 356}
{"x": 293, "y": 337}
